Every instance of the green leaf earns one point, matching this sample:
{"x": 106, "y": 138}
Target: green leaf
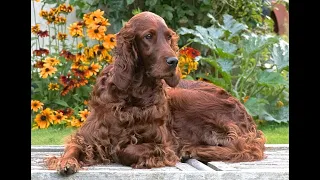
{"x": 150, "y": 2}
{"x": 280, "y": 55}
{"x": 183, "y": 31}
{"x": 129, "y": 2}
{"x": 225, "y": 46}
{"x": 255, "y": 106}
{"x": 226, "y": 65}
{"x": 167, "y": 15}
{"x": 270, "y": 78}
{"x": 189, "y": 77}
{"x": 215, "y": 33}
{"x": 254, "y": 43}
{"x": 61, "y": 102}
{"x": 232, "y": 25}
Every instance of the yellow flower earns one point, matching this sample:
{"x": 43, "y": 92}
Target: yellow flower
{"x": 44, "y": 118}
{"x": 246, "y": 99}
{"x": 90, "y": 17}
{"x": 51, "y": 61}
{"x": 109, "y": 41}
{"x": 36, "y": 105}
{"x": 80, "y": 45}
{"x": 53, "y": 86}
{"x": 85, "y": 102}
{"x": 43, "y": 14}
{"x": 35, "y": 29}
{"x": 73, "y": 122}
{"x": 101, "y": 52}
{"x": 62, "y": 36}
{"x": 84, "y": 114}
{"x": 280, "y": 104}
{"x": 97, "y": 22}
{"x": 60, "y": 20}
{"x": 58, "y": 117}
{"x": 88, "y": 52}
{"x": 93, "y": 69}
{"x": 47, "y": 70}
{"x": 75, "y": 29}
{"x": 97, "y": 33}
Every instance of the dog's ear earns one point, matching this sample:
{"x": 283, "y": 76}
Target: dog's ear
{"x": 125, "y": 57}
{"x": 174, "y": 42}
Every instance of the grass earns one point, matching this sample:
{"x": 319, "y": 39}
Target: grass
{"x": 274, "y": 132}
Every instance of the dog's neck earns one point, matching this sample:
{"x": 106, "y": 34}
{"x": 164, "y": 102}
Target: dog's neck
{"x": 145, "y": 90}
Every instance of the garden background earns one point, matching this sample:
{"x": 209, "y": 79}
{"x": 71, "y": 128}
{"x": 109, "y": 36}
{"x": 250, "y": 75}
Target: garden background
{"x": 239, "y": 45}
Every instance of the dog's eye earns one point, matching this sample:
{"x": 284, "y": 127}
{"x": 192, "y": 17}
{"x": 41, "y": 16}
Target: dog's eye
{"x": 169, "y": 37}
{"x": 148, "y": 36}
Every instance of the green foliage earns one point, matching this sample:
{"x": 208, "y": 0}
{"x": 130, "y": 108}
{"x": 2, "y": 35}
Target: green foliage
{"x": 180, "y": 13}
{"x": 254, "y": 68}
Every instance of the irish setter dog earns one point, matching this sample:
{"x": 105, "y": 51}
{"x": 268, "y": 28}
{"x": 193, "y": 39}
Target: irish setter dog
{"x": 144, "y": 116}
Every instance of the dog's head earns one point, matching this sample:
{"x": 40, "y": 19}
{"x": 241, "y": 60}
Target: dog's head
{"x": 146, "y": 42}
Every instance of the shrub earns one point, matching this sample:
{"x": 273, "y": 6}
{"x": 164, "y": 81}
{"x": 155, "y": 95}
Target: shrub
{"x": 254, "y": 68}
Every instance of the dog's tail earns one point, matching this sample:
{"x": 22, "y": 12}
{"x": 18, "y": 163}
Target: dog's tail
{"x": 241, "y": 149}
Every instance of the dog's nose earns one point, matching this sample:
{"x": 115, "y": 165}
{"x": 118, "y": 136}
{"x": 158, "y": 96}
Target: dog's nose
{"x": 172, "y": 61}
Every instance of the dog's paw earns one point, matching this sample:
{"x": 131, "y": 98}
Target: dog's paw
{"x": 67, "y": 166}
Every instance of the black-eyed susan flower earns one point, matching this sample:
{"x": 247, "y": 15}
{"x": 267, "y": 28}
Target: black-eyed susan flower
{"x": 38, "y": 64}
{"x": 60, "y": 20}
{"x": 89, "y": 18}
{"x": 62, "y": 36}
{"x": 73, "y": 122}
{"x": 75, "y": 30}
{"x": 66, "y": 112}
{"x": 100, "y": 51}
{"x": 97, "y": 22}
{"x": 93, "y": 69}
{"x": 40, "y": 52}
{"x": 68, "y": 55}
{"x": 77, "y": 72}
{"x": 47, "y": 70}
{"x": 44, "y": 118}
{"x": 35, "y": 29}
{"x": 36, "y": 105}
{"x": 53, "y": 86}
{"x": 43, "y": 33}
{"x": 58, "y": 117}
{"x": 88, "y": 52}
{"x": 80, "y": 45}
{"x": 84, "y": 114}
{"x": 109, "y": 41}
{"x": 51, "y": 61}
{"x": 97, "y": 33}
{"x": 80, "y": 82}
{"x": 43, "y": 14}
{"x": 81, "y": 57}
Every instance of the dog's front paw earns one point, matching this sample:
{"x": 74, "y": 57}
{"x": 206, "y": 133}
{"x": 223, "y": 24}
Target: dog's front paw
{"x": 67, "y": 166}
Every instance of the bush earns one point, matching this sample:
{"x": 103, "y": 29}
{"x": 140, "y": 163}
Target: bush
{"x": 63, "y": 74}
{"x": 254, "y": 68}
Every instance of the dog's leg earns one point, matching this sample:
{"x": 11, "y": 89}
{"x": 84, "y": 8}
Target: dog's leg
{"x": 68, "y": 163}
{"x": 147, "y": 155}
{"x": 239, "y": 150}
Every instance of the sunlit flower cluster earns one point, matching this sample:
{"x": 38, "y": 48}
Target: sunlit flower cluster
{"x": 187, "y": 62}
{"x": 48, "y": 117}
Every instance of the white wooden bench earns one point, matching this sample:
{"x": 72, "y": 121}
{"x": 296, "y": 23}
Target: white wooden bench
{"x": 274, "y": 167}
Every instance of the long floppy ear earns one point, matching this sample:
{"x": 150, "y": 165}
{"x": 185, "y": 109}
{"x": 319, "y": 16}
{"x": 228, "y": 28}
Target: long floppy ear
{"x": 125, "y": 57}
{"x": 174, "y": 80}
